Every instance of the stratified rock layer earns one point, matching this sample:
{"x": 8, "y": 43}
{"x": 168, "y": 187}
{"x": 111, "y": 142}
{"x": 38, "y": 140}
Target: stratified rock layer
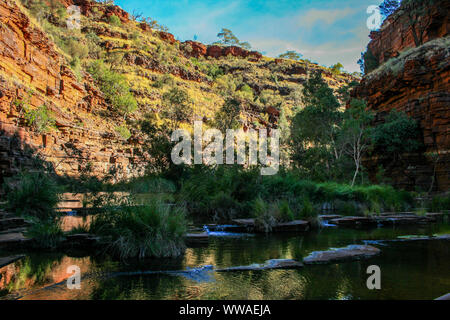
{"x": 415, "y": 81}
{"x": 30, "y": 62}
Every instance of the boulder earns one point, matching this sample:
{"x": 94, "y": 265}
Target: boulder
{"x": 352, "y": 252}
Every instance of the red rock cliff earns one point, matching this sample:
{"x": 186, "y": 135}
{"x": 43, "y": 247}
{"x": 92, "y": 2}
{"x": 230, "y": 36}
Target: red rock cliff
{"x": 415, "y": 81}
{"x": 30, "y": 62}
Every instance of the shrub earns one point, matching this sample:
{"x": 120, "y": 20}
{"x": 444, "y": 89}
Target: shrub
{"x": 440, "y": 203}
{"x": 114, "y": 21}
{"x": 41, "y": 119}
{"x": 285, "y": 213}
{"x": 264, "y": 217}
{"x": 46, "y": 234}
{"x": 124, "y": 132}
{"x": 152, "y": 230}
{"x": 115, "y": 87}
{"x": 32, "y": 194}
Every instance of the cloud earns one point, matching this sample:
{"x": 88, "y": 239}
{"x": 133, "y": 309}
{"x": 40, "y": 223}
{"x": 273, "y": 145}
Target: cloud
{"x": 329, "y": 17}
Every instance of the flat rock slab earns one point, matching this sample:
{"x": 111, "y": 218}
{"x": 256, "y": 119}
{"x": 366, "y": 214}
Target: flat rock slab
{"x": 329, "y": 216}
{"x": 353, "y": 221}
{"x": 10, "y": 223}
{"x": 352, "y": 252}
{"x": 197, "y": 237}
{"x": 297, "y": 225}
{"x": 245, "y": 222}
{"x": 13, "y": 239}
{"x": 4, "y": 261}
{"x": 402, "y": 219}
{"x": 268, "y": 265}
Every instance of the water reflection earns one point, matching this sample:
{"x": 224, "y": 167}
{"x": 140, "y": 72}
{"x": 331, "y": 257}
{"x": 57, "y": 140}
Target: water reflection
{"x": 410, "y": 270}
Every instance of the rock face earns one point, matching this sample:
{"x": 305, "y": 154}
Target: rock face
{"x": 415, "y": 81}
{"x": 395, "y": 35}
{"x": 29, "y": 61}
{"x": 353, "y": 252}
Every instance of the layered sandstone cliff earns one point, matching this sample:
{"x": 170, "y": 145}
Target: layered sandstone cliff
{"x": 33, "y": 70}
{"x": 414, "y": 80}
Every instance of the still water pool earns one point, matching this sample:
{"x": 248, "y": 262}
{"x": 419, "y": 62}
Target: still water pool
{"x": 409, "y": 270}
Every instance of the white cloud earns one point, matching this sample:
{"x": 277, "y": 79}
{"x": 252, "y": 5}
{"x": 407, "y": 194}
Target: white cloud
{"x": 313, "y": 16}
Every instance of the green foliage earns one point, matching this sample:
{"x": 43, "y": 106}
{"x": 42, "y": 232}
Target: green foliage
{"x": 290, "y": 55}
{"x": 227, "y": 38}
{"x": 314, "y": 130}
{"x": 178, "y": 106}
{"x": 33, "y": 194}
{"x": 166, "y": 79}
{"x": 124, "y": 132}
{"x": 115, "y": 87}
{"x": 228, "y": 115}
{"x": 155, "y": 229}
{"x": 214, "y": 71}
{"x": 440, "y": 203}
{"x": 399, "y": 134}
{"x": 336, "y": 69}
{"x": 41, "y": 119}
{"x": 46, "y": 234}
{"x": 368, "y": 62}
{"x": 264, "y": 216}
{"x": 114, "y": 21}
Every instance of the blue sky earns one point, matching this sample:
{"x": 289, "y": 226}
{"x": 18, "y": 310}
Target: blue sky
{"x": 325, "y": 31}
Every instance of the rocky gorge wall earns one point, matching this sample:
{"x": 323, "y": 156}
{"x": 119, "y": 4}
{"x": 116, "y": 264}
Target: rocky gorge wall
{"x": 29, "y": 62}
{"x": 415, "y": 81}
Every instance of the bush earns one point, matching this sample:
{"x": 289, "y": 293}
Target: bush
{"x": 115, "y": 87}
{"x": 152, "y": 230}
{"x": 46, "y": 234}
{"x": 32, "y": 194}
{"x": 264, "y": 216}
{"x": 114, "y": 21}
{"x": 440, "y": 203}
{"x": 124, "y": 132}
{"x": 41, "y": 119}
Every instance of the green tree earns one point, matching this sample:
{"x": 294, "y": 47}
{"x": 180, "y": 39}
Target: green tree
{"x": 228, "y": 115}
{"x": 354, "y": 136}
{"x": 290, "y": 55}
{"x": 397, "y": 135}
{"x": 177, "y": 107}
{"x": 227, "y": 38}
{"x": 337, "y": 68}
{"x": 314, "y": 129}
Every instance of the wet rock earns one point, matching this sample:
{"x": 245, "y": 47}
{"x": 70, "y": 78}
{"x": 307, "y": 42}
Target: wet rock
{"x": 268, "y": 265}
{"x": 297, "y": 225}
{"x": 329, "y": 216}
{"x": 402, "y": 219}
{"x": 4, "y": 261}
{"x": 13, "y": 240}
{"x": 11, "y": 223}
{"x": 353, "y": 221}
{"x": 352, "y": 252}
{"x": 196, "y": 238}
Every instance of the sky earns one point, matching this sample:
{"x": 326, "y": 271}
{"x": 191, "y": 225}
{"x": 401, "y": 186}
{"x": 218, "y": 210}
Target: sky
{"x": 324, "y": 31}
